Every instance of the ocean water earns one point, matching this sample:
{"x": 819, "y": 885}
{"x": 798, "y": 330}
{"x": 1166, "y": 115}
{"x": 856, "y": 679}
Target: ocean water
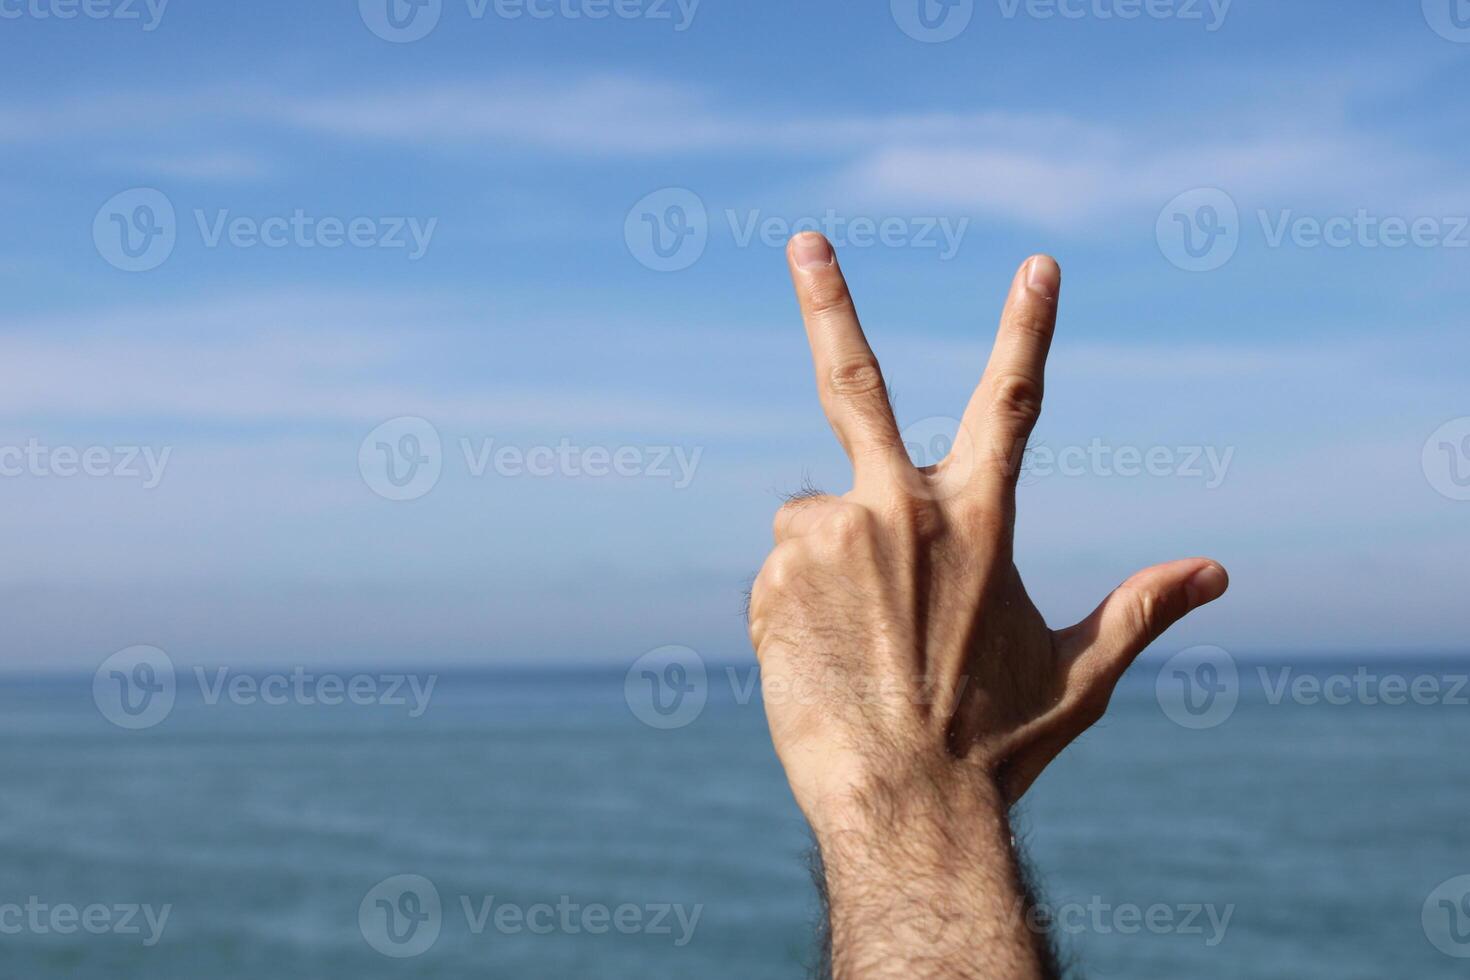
{"x": 563, "y": 837}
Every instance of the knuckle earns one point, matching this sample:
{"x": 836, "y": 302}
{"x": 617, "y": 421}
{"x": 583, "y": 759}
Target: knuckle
{"x": 917, "y": 515}
{"x": 861, "y": 376}
{"x": 1017, "y": 397}
{"x": 847, "y": 526}
{"x": 785, "y": 514}
{"x": 779, "y": 574}
{"x": 1144, "y": 611}
{"x": 757, "y": 634}
{"x": 828, "y": 295}
{"x": 1154, "y": 612}
{"x": 784, "y": 524}
{"x": 1033, "y": 323}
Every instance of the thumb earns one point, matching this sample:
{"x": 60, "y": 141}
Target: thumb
{"x": 1138, "y": 612}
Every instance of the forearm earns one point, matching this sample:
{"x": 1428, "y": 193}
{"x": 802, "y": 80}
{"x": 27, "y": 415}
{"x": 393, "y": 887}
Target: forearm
{"x": 925, "y": 883}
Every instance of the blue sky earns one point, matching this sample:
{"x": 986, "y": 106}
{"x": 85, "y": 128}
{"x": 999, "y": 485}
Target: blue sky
{"x": 1317, "y": 374}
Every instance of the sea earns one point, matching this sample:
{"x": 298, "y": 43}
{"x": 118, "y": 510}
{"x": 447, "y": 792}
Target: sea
{"x": 542, "y": 823}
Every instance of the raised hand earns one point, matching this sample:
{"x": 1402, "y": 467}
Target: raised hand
{"x": 897, "y": 606}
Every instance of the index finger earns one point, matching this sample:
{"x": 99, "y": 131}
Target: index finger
{"x": 849, "y": 381}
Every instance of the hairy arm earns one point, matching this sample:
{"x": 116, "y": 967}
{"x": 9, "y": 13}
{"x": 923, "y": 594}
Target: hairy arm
{"x": 930, "y": 690}
{"x": 923, "y": 882}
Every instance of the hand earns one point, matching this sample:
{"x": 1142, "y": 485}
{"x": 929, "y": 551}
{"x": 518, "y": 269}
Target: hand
{"x": 899, "y": 604}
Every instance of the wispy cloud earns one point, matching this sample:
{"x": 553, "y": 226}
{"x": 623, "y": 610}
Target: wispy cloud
{"x": 207, "y": 165}
{"x": 317, "y": 360}
{"x": 1048, "y": 169}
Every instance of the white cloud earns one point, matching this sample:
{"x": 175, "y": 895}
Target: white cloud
{"x": 1043, "y": 168}
{"x": 322, "y": 360}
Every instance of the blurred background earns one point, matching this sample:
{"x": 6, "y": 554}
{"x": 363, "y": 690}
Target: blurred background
{"x": 394, "y": 396}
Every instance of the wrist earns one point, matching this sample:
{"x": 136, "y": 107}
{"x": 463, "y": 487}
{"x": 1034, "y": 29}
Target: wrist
{"x": 955, "y": 810}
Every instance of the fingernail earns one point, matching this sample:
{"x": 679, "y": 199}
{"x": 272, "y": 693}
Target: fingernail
{"x": 811, "y": 250}
{"x": 1044, "y": 276}
{"x": 1206, "y": 585}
